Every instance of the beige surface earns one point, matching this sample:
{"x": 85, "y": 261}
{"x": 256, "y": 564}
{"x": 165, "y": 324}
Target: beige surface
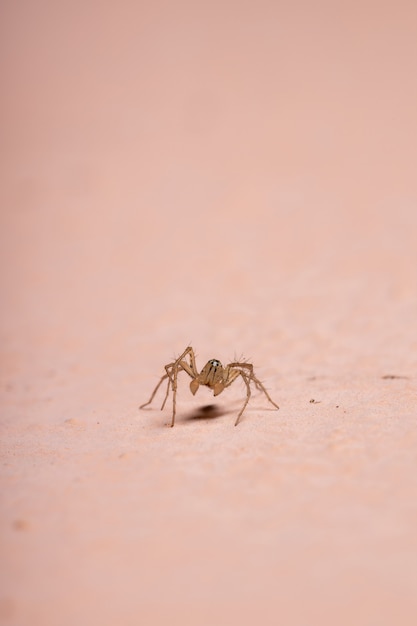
{"x": 241, "y": 176}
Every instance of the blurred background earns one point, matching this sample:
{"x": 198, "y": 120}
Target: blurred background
{"x": 227, "y": 151}
{"x": 237, "y": 175}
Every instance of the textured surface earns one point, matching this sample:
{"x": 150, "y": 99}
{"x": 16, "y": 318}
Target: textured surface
{"x": 242, "y": 178}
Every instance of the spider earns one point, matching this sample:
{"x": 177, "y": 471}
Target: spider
{"x": 213, "y": 375}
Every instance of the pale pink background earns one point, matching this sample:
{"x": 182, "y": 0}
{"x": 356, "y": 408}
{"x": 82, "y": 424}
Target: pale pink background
{"x": 241, "y": 176}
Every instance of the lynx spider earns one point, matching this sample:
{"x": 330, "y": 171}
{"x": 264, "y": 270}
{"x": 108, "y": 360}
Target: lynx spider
{"x": 213, "y": 375}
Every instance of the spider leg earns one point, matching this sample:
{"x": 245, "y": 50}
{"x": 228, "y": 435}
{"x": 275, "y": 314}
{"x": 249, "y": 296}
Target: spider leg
{"x": 229, "y": 376}
{"x": 247, "y": 380}
{"x": 260, "y": 386}
{"x": 255, "y": 379}
{"x": 167, "y": 393}
{"x": 248, "y": 366}
{"x": 172, "y": 372}
{"x": 245, "y": 370}
{"x": 164, "y": 377}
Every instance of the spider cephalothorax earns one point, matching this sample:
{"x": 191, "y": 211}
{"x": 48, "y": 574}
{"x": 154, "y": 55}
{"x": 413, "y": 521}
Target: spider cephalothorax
{"x": 213, "y": 375}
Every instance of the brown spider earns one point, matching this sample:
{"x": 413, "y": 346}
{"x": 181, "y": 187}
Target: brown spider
{"x": 213, "y": 375}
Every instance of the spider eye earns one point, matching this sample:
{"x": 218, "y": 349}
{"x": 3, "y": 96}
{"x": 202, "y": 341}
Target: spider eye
{"x": 215, "y": 363}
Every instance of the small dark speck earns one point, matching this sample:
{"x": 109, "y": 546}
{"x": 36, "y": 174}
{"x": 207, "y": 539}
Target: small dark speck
{"x": 393, "y": 377}
{"x": 313, "y": 401}
{"x": 337, "y": 406}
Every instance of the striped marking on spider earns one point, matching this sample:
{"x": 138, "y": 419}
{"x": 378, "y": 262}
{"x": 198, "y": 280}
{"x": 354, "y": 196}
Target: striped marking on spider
{"x": 213, "y": 375}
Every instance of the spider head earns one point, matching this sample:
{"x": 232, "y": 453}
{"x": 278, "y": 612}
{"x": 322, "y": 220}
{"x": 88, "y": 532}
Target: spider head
{"x": 212, "y": 376}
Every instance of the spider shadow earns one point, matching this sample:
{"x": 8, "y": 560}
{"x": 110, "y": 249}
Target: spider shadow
{"x": 207, "y": 411}
{"x": 214, "y": 411}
